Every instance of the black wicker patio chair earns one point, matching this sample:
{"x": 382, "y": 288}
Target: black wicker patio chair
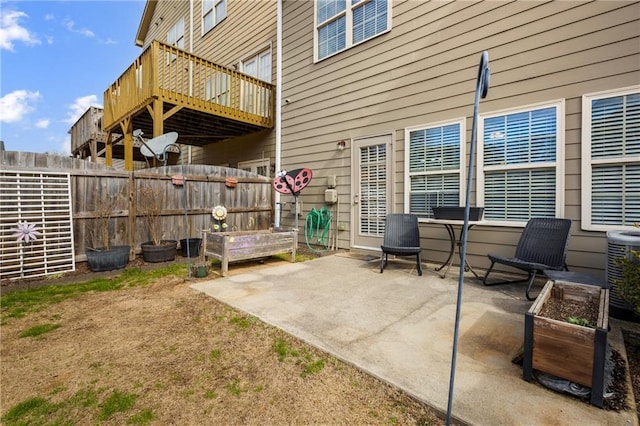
{"x": 401, "y": 238}
{"x": 542, "y": 245}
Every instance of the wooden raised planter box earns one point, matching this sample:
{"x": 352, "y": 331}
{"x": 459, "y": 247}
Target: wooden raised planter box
{"x": 244, "y": 245}
{"x": 568, "y": 351}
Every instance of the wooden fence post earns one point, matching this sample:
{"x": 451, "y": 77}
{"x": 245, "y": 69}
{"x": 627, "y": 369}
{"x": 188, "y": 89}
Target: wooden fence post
{"x": 132, "y": 216}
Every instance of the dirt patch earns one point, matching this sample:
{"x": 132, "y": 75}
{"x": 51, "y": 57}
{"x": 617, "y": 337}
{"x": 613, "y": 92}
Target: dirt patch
{"x": 186, "y": 359}
{"x": 562, "y": 310}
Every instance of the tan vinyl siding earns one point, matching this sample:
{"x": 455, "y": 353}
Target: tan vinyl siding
{"x": 165, "y": 16}
{"x": 239, "y": 149}
{"x": 249, "y": 28}
{"x": 424, "y": 70}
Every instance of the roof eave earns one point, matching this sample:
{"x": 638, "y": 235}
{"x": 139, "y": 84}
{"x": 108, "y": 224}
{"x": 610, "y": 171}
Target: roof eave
{"x": 145, "y": 22}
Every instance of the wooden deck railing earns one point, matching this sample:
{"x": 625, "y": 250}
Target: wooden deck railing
{"x": 185, "y": 80}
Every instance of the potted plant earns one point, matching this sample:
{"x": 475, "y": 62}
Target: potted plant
{"x": 190, "y": 247}
{"x": 101, "y": 255}
{"x": 151, "y": 203}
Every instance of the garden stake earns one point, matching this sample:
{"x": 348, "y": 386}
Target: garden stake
{"x": 482, "y": 87}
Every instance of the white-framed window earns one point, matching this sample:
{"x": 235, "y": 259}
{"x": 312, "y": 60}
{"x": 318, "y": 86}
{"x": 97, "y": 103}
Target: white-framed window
{"x": 341, "y": 24}
{"x": 213, "y": 12}
{"x": 434, "y": 166}
{"x": 256, "y": 99}
{"x": 520, "y": 163}
{"x": 611, "y": 159}
{"x": 259, "y": 66}
{"x": 260, "y": 167}
{"x": 175, "y": 38}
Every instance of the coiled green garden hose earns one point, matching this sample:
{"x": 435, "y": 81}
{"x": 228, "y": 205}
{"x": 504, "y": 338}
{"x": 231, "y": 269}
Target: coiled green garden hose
{"x": 316, "y": 226}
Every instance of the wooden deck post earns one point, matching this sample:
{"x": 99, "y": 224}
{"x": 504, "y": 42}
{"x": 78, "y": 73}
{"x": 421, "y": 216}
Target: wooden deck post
{"x": 127, "y": 131}
{"x": 108, "y": 160}
{"x": 156, "y": 115}
{"x": 93, "y": 147}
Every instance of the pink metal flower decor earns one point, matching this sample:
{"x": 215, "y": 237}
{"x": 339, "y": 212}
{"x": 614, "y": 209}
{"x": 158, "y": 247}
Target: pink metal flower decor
{"x": 26, "y": 232}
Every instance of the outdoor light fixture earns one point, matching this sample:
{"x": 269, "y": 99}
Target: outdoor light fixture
{"x": 342, "y": 145}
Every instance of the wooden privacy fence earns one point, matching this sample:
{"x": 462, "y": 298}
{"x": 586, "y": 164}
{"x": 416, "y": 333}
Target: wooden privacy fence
{"x": 249, "y": 203}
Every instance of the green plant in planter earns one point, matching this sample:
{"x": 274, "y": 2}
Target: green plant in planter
{"x": 629, "y": 286}
{"x": 579, "y": 321}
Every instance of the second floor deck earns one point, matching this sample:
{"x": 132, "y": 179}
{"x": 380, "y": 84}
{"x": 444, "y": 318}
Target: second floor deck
{"x": 204, "y": 102}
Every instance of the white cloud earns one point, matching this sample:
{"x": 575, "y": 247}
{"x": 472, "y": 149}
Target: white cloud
{"x": 80, "y": 106}
{"x": 49, "y": 17}
{"x": 65, "y": 147}
{"x": 49, "y": 39}
{"x": 110, "y": 41}
{"x": 71, "y": 26}
{"x": 15, "y": 105}
{"x": 59, "y": 145}
{"x": 43, "y": 123}
{"x": 11, "y": 31}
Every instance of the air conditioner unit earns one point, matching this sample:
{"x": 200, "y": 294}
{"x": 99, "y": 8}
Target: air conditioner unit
{"x": 619, "y": 244}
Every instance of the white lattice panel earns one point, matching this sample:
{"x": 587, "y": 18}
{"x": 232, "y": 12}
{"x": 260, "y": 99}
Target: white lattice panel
{"x": 41, "y": 199}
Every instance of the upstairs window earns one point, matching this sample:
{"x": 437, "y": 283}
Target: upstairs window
{"x": 213, "y": 12}
{"x": 341, "y": 24}
{"x": 259, "y": 66}
{"x": 434, "y": 159}
{"x": 520, "y": 156}
{"x": 175, "y": 37}
{"x": 611, "y": 159}
{"x": 256, "y": 99}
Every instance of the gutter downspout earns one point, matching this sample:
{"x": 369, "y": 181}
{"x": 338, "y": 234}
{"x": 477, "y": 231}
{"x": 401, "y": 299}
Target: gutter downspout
{"x": 190, "y": 82}
{"x": 191, "y": 47}
{"x": 278, "y": 110}
{"x": 190, "y": 26}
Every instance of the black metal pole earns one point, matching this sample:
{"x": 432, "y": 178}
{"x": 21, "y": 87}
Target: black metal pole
{"x": 482, "y": 87}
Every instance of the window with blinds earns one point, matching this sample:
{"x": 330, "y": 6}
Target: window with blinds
{"x": 519, "y": 164}
{"x": 341, "y": 24}
{"x": 434, "y": 158}
{"x": 611, "y": 159}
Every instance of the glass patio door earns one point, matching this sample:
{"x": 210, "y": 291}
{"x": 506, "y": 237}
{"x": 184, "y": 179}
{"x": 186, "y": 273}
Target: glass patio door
{"x": 371, "y": 188}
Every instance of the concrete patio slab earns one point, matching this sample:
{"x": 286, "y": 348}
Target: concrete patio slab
{"x": 399, "y": 327}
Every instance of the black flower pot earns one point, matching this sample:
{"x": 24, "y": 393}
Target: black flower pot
{"x": 194, "y": 247}
{"x": 108, "y": 260}
{"x": 163, "y": 252}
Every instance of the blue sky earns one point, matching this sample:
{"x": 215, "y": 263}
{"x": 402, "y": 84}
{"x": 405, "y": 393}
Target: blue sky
{"x": 56, "y": 59}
